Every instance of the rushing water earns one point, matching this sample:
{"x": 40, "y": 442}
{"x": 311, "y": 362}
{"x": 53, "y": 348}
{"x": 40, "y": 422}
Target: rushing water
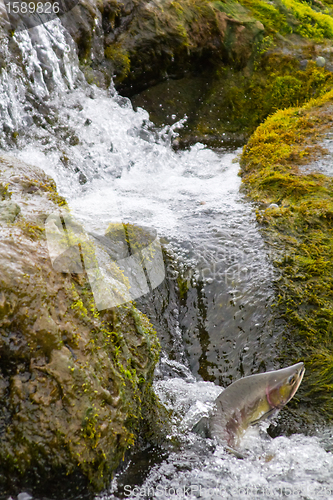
{"x": 113, "y": 165}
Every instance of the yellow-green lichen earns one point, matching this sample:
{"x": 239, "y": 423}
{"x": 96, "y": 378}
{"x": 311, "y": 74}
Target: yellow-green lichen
{"x": 312, "y": 24}
{"x": 239, "y": 102}
{"x": 301, "y": 228}
{"x": 5, "y": 194}
{"x": 120, "y": 59}
{"x": 32, "y": 230}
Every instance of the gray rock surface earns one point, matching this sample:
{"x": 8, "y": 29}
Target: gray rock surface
{"x": 75, "y": 384}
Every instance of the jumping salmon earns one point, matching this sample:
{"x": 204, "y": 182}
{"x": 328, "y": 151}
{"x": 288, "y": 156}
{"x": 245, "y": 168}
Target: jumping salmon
{"x": 249, "y": 401}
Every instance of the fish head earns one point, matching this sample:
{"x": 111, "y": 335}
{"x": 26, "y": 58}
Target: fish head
{"x": 283, "y": 385}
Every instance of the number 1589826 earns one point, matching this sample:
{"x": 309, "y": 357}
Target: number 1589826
{"x": 32, "y": 8}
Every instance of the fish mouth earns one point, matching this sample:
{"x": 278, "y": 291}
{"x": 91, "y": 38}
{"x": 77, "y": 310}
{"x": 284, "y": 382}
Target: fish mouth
{"x": 300, "y": 375}
{"x": 291, "y": 385}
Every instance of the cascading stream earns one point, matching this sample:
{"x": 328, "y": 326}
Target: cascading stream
{"x": 113, "y": 165}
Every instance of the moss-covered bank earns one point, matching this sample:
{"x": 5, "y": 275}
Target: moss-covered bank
{"x": 295, "y": 209}
{"x": 75, "y": 383}
{"x": 235, "y": 102}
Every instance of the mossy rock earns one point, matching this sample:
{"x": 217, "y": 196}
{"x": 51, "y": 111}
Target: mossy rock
{"x": 75, "y": 383}
{"x": 238, "y": 101}
{"x": 225, "y": 65}
{"x": 146, "y": 41}
{"x": 9, "y": 211}
{"x": 171, "y": 38}
{"x": 227, "y": 99}
{"x": 280, "y": 166}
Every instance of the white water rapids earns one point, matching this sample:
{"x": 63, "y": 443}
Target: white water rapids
{"x": 113, "y": 165}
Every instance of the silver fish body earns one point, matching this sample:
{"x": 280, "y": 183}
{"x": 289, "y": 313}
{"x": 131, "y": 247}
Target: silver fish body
{"x": 248, "y": 401}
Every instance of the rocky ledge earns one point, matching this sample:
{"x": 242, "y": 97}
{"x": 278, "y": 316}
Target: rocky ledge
{"x": 75, "y": 383}
{"x": 226, "y": 65}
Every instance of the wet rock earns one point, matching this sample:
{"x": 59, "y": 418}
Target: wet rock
{"x": 75, "y": 382}
{"x": 82, "y": 178}
{"x": 164, "y": 40}
{"x": 320, "y": 61}
{"x": 303, "y": 64}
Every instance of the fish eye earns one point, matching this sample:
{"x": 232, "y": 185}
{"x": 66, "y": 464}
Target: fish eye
{"x": 291, "y": 379}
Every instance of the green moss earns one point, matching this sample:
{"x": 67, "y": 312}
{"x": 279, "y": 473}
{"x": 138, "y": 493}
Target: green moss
{"x": 33, "y": 231}
{"x": 78, "y": 305}
{"x": 120, "y": 59}
{"x": 239, "y": 101}
{"x": 312, "y": 24}
{"x": 272, "y": 18}
{"x": 5, "y": 194}
{"x": 289, "y": 16}
{"x": 302, "y": 230}
{"x": 183, "y": 286}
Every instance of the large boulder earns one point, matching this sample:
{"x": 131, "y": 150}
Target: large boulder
{"x": 140, "y": 42}
{"x": 75, "y": 382}
{"x": 225, "y": 65}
